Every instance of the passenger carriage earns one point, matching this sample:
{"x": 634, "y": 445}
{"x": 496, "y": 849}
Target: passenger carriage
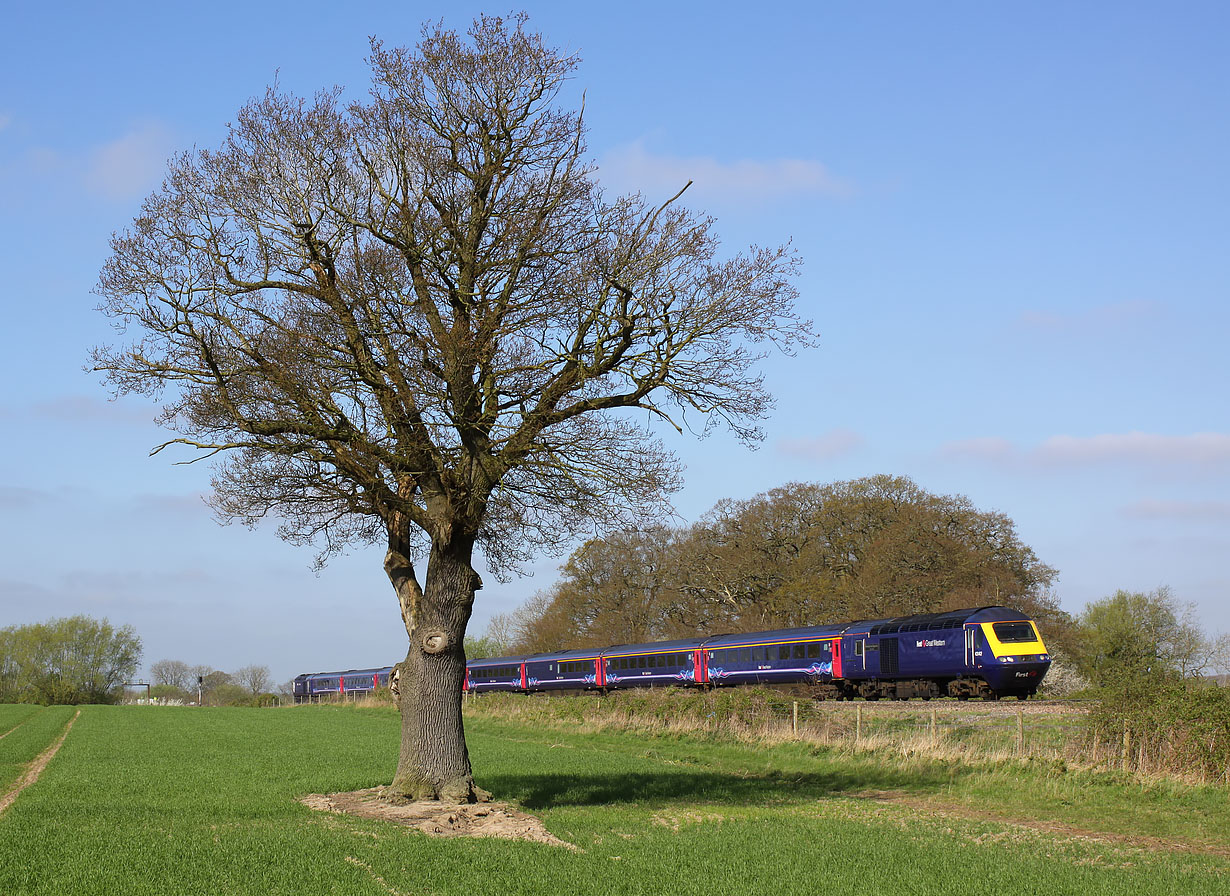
{"x": 505, "y": 673}
{"x": 654, "y": 664}
{"x": 783, "y": 656}
{"x": 566, "y": 670}
{"x": 356, "y": 683}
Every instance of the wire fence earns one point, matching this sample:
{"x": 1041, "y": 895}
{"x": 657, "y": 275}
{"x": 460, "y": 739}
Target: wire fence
{"x": 943, "y": 727}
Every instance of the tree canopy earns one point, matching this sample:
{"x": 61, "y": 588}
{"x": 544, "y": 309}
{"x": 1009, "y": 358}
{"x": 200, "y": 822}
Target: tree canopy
{"x": 1138, "y": 639}
{"x": 75, "y": 659}
{"x": 416, "y": 319}
{"x": 801, "y": 554}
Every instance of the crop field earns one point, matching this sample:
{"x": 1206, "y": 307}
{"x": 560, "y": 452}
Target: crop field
{"x": 147, "y": 800}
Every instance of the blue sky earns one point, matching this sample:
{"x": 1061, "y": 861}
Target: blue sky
{"x": 1014, "y": 221}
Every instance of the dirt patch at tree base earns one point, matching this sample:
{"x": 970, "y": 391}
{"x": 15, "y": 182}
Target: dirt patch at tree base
{"x": 438, "y": 819}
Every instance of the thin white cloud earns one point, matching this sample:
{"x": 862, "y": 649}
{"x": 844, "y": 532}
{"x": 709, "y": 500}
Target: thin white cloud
{"x": 1098, "y": 318}
{"x": 1193, "y": 511}
{"x": 130, "y": 166}
{"x": 83, "y": 408}
{"x": 632, "y": 167}
{"x": 991, "y": 449}
{"x": 1136, "y": 447}
{"x": 122, "y": 169}
{"x": 19, "y": 497}
{"x": 191, "y": 507}
{"x": 1198, "y": 449}
{"x": 833, "y": 444}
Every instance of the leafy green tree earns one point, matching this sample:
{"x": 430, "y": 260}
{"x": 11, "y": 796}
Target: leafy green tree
{"x": 1145, "y": 653}
{"x": 1134, "y": 637}
{"x": 800, "y": 554}
{"x": 76, "y": 659}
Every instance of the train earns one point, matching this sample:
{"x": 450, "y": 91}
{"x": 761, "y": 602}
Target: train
{"x": 984, "y": 652}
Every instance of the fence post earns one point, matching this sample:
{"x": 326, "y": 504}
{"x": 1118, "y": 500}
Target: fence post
{"x": 935, "y": 739}
{"x": 794, "y": 719}
{"x": 858, "y": 723}
{"x": 1020, "y": 732}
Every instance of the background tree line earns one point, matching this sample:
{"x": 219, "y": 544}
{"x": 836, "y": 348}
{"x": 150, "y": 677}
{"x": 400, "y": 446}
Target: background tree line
{"x": 249, "y": 686}
{"x": 71, "y": 660}
{"x": 801, "y": 554}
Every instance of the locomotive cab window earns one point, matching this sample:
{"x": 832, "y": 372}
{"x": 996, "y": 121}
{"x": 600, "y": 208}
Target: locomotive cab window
{"x": 1014, "y": 632}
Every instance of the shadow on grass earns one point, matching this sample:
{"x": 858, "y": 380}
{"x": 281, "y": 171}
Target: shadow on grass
{"x": 545, "y": 790}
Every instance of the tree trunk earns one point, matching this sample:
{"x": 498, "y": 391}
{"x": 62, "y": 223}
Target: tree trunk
{"x": 434, "y": 763}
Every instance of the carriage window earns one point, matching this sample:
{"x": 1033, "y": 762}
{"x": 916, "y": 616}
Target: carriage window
{"x": 813, "y": 649}
{"x": 759, "y": 654}
{"x": 798, "y": 651}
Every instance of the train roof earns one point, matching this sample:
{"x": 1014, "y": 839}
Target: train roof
{"x": 653, "y": 647}
{"x": 579, "y": 653}
{"x": 946, "y": 619}
{"x": 499, "y": 660}
{"x": 346, "y": 672}
{"x": 803, "y": 633}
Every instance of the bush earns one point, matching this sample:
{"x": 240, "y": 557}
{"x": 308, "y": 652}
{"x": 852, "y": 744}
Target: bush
{"x": 1176, "y": 726}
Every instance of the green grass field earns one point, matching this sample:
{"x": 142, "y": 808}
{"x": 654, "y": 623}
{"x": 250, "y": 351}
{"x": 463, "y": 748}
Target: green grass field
{"x": 181, "y": 800}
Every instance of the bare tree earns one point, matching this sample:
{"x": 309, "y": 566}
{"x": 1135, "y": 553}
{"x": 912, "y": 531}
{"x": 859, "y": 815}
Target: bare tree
{"x": 257, "y": 679}
{"x": 416, "y": 320}
{"x": 175, "y": 673}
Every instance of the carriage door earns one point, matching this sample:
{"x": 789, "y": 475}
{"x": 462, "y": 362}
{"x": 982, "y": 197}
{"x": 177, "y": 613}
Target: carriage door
{"x": 971, "y": 645}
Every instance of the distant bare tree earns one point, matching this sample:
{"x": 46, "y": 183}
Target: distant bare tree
{"x": 416, "y": 320}
{"x": 174, "y": 673}
{"x": 499, "y": 632}
{"x": 257, "y": 679}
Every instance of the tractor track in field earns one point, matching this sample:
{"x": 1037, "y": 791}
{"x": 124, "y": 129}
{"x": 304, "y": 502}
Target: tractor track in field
{"x": 922, "y": 806}
{"x": 14, "y": 728}
{"x": 35, "y": 768}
